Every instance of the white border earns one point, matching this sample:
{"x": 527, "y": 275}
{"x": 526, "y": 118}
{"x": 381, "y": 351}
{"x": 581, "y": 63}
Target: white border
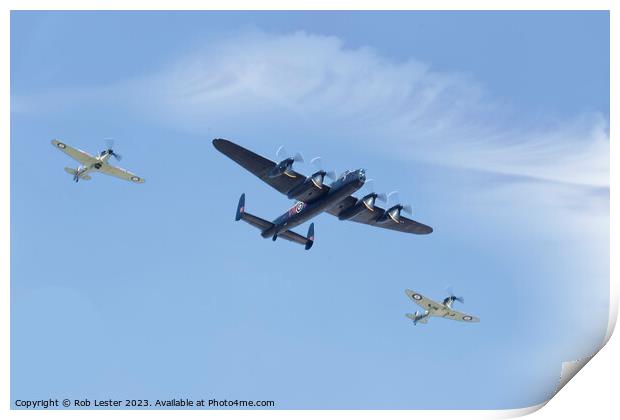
{"x": 592, "y": 394}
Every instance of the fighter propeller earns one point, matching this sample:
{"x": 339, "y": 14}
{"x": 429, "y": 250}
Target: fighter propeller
{"x": 451, "y": 297}
{"x": 110, "y": 149}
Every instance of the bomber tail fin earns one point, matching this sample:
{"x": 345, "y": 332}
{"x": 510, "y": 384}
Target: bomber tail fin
{"x": 240, "y": 208}
{"x": 306, "y": 241}
{"x": 310, "y": 237}
{"x": 255, "y": 221}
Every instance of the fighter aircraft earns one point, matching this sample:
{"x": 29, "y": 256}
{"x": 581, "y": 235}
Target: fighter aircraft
{"x": 314, "y": 196}
{"x": 99, "y": 163}
{"x": 432, "y": 308}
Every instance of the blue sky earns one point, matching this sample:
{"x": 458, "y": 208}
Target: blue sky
{"x": 494, "y": 126}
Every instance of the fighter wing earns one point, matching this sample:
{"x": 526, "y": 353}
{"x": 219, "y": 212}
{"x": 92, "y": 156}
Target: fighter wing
{"x": 459, "y": 316}
{"x": 77, "y": 154}
{"x": 261, "y": 167}
{"x": 120, "y": 173}
{"x": 369, "y": 217}
{"x": 424, "y": 302}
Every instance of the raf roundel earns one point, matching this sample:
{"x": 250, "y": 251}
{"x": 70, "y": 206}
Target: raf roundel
{"x": 416, "y": 296}
{"x": 61, "y": 145}
{"x": 467, "y": 318}
{"x": 135, "y": 179}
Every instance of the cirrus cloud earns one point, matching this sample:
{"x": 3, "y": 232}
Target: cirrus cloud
{"x": 307, "y": 80}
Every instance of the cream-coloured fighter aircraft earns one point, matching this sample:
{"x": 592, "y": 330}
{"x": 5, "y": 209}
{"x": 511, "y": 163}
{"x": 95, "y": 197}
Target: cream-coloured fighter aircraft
{"x": 432, "y": 308}
{"x": 99, "y": 163}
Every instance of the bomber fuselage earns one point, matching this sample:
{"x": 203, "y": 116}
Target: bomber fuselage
{"x": 344, "y": 186}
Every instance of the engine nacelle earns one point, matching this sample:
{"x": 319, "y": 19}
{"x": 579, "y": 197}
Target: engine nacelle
{"x": 392, "y": 214}
{"x": 365, "y": 203}
{"x": 318, "y": 178}
{"x": 314, "y": 181}
{"x": 282, "y": 168}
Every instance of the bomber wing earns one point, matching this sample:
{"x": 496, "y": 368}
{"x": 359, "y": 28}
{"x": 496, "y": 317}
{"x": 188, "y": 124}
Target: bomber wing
{"x": 120, "y": 173}
{"x": 369, "y": 217}
{"x": 77, "y": 154}
{"x": 261, "y": 167}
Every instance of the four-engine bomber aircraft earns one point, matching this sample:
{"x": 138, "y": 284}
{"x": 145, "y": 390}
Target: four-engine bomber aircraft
{"x": 314, "y": 197}
{"x": 99, "y": 163}
{"x": 432, "y": 308}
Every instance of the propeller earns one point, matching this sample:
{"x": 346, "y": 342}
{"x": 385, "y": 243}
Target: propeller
{"x": 452, "y": 296}
{"x": 370, "y": 197}
{"x": 320, "y": 175}
{"x": 370, "y": 186}
{"x": 394, "y": 198}
{"x": 395, "y": 209}
{"x": 285, "y": 163}
{"x": 110, "y": 148}
{"x": 282, "y": 154}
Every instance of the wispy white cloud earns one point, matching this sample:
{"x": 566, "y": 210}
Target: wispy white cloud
{"x": 444, "y": 118}
{"x": 307, "y": 81}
